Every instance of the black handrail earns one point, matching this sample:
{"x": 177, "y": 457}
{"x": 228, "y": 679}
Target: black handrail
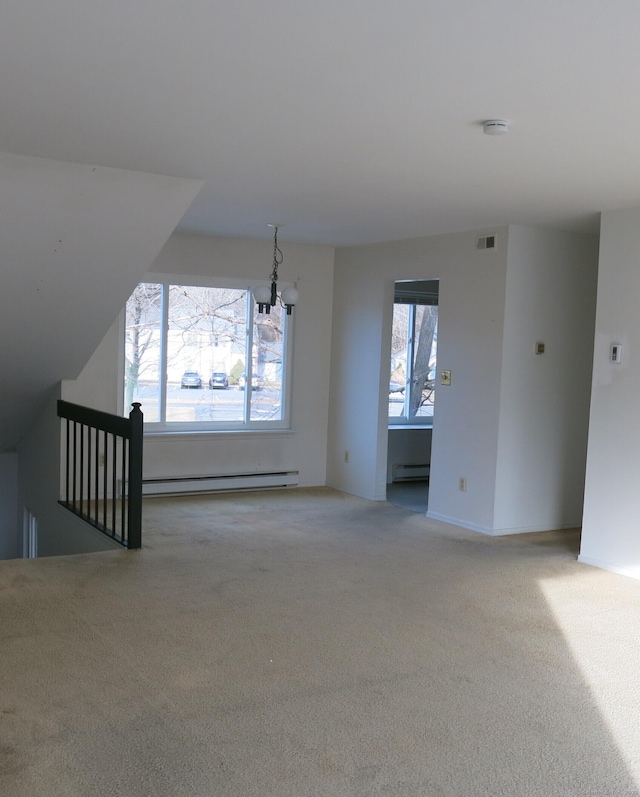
{"x": 95, "y": 440}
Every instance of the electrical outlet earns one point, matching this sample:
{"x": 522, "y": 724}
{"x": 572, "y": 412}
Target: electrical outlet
{"x": 346, "y": 456}
{"x": 462, "y": 484}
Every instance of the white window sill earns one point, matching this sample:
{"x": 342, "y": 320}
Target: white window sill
{"x": 412, "y": 426}
{"x": 201, "y": 434}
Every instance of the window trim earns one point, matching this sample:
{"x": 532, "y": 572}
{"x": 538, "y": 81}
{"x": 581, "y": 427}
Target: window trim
{"x": 412, "y": 294}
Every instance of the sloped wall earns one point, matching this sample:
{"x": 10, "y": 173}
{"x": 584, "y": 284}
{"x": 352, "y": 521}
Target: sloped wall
{"x": 74, "y": 240}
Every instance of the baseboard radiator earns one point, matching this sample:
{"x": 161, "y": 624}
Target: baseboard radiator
{"x": 223, "y": 483}
{"x": 403, "y": 473}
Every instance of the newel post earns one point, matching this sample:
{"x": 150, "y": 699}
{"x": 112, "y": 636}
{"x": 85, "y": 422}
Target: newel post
{"x": 135, "y": 478}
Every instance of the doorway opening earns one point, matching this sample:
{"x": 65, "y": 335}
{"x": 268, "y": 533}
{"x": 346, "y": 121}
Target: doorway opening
{"x": 412, "y": 392}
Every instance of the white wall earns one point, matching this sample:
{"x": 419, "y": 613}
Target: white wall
{"x": 544, "y": 399}
{"x": 513, "y": 425}
{"x": 59, "y": 531}
{"x": 98, "y": 385}
{"x": 9, "y": 547}
{"x": 470, "y": 322}
{"x": 199, "y": 454}
{"x": 407, "y": 447}
{"x": 363, "y": 302}
{"x": 494, "y": 305}
{"x": 610, "y": 535}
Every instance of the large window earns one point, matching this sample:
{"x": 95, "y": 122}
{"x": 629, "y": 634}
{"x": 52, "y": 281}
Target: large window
{"x": 414, "y": 341}
{"x": 201, "y": 357}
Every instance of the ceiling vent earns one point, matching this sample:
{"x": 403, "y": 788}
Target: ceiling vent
{"x": 487, "y": 242}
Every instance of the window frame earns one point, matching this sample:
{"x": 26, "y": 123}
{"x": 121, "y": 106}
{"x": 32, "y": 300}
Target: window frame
{"x": 404, "y": 295}
{"x": 164, "y": 427}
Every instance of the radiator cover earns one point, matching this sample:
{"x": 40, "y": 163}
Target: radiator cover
{"x": 226, "y": 482}
{"x": 403, "y": 473}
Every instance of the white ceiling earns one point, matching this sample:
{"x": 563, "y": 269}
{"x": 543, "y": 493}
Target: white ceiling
{"x": 349, "y": 122}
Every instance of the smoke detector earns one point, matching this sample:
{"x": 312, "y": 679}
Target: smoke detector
{"x": 496, "y": 127}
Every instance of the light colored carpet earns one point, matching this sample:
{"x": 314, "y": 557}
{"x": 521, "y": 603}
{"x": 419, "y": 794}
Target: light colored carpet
{"x": 304, "y": 642}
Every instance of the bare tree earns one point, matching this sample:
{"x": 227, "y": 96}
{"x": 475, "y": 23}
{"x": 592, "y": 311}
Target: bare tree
{"x": 399, "y": 343}
{"x": 426, "y": 320}
{"x": 144, "y": 310}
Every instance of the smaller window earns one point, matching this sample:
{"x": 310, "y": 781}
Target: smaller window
{"x": 414, "y": 338}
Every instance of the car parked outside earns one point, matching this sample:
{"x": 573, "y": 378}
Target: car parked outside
{"x": 218, "y": 380}
{"x": 191, "y": 379}
{"x": 256, "y": 382}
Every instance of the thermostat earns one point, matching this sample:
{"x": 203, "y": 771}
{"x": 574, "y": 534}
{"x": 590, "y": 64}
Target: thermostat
{"x": 616, "y": 353}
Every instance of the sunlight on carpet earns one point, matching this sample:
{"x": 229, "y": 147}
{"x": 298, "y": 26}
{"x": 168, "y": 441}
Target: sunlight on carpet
{"x": 586, "y": 610}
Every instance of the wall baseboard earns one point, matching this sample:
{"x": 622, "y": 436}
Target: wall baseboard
{"x": 500, "y": 532}
{"x": 630, "y": 572}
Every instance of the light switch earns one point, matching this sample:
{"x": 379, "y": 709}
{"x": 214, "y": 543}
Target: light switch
{"x": 445, "y": 378}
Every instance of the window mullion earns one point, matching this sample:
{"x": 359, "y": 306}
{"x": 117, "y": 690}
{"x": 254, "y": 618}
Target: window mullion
{"x": 163, "y": 353}
{"x": 411, "y": 334}
{"x": 287, "y": 349}
{"x": 248, "y": 387}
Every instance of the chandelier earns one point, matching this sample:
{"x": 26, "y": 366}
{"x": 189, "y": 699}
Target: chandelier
{"x": 266, "y": 296}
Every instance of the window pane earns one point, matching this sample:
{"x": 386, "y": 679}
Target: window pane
{"x": 206, "y": 344}
{"x": 268, "y": 359}
{"x": 413, "y": 342}
{"x": 399, "y": 344}
{"x": 142, "y": 350}
{"x": 188, "y": 356}
{"x": 424, "y": 359}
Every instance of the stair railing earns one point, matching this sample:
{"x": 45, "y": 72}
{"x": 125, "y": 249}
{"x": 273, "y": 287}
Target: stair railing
{"x": 101, "y": 479}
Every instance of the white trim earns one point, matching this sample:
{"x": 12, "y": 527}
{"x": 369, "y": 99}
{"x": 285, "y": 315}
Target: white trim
{"x": 224, "y": 427}
{"x": 500, "y": 532}
{"x": 535, "y": 529}
{"x": 202, "y": 434}
{"x": 204, "y": 281}
{"x": 122, "y": 318}
{"x": 377, "y": 497}
{"x": 410, "y": 423}
{"x": 456, "y": 522}
{"x": 630, "y": 572}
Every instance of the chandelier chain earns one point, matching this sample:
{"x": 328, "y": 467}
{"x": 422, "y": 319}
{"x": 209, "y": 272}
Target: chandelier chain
{"x": 277, "y": 256}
